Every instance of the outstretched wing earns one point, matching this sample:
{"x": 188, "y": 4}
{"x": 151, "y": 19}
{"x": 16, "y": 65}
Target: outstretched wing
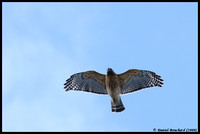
{"x": 133, "y": 80}
{"x": 89, "y": 81}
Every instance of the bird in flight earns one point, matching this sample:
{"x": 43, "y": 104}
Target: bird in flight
{"x": 113, "y": 84}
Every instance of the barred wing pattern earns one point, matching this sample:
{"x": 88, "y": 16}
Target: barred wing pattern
{"x": 134, "y": 80}
{"x": 89, "y": 81}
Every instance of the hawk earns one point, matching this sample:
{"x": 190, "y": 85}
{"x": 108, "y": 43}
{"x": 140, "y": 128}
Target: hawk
{"x": 113, "y": 84}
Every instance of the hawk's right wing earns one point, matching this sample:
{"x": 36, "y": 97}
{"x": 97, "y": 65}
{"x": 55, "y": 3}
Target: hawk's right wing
{"x": 133, "y": 80}
{"x": 89, "y": 81}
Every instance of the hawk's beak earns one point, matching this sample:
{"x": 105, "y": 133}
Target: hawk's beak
{"x": 109, "y": 70}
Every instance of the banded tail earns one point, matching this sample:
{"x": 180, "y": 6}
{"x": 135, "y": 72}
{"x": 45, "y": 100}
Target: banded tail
{"x": 117, "y": 106}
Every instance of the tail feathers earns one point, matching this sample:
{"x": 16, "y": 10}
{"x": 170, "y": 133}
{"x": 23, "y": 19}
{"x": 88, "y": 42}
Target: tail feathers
{"x": 117, "y": 105}
{"x": 117, "y": 108}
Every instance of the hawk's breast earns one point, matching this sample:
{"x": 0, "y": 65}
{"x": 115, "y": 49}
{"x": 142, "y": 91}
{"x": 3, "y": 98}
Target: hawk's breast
{"x": 112, "y": 82}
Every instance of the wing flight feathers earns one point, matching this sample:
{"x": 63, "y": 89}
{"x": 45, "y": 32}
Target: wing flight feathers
{"x": 89, "y": 81}
{"x": 133, "y": 80}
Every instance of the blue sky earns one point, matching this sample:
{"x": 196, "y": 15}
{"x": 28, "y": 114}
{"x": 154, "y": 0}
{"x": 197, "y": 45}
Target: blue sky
{"x": 45, "y": 43}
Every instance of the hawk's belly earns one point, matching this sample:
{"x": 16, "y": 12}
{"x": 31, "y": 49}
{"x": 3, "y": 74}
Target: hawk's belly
{"x": 113, "y": 92}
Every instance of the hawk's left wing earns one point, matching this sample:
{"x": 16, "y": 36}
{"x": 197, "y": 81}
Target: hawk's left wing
{"x": 133, "y": 80}
{"x": 89, "y": 81}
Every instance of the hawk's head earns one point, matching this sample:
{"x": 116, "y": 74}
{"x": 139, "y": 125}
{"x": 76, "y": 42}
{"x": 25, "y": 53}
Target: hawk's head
{"x": 110, "y": 71}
